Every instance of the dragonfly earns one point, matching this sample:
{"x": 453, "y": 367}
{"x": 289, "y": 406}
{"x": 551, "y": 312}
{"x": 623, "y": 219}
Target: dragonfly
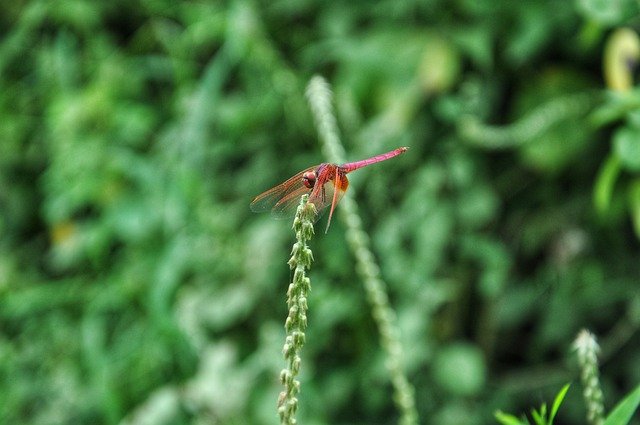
{"x": 325, "y": 184}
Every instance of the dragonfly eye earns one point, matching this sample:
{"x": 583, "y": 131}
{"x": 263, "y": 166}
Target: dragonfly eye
{"x": 309, "y": 179}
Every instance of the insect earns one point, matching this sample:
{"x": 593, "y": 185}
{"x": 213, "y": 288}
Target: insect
{"x": 325, "y": 183}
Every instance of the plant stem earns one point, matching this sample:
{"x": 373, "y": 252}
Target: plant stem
{"x": 587, "y": 349}
{"x": 296, "y": 323}
{"x": 320, "y": 99}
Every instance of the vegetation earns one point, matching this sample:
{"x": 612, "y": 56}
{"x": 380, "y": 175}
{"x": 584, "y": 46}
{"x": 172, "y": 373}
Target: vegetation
{"x": 136, "y": 287}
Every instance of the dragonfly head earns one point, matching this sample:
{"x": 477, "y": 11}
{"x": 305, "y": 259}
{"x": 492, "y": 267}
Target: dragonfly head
{"x": 309, "y": 179}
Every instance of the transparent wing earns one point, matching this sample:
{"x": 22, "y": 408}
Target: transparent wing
{"x": 282, "y": 199}
{"x": 286, "y": 207}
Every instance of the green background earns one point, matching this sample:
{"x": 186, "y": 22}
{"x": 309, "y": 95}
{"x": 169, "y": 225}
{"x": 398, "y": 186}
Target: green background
{"x": 137, "y": 287}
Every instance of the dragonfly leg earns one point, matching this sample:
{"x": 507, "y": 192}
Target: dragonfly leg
{"x": 334, "y": 201}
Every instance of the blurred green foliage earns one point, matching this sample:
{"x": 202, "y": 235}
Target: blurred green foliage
{"x": 136, "y": 287}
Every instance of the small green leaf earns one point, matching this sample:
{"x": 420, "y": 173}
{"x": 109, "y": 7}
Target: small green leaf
{"x": 626, "y": 145}
{"x": 558, "y": 401}
{"x": 508, "y": 418}
{"x": 539, "y": 417}
{"x": 605, "y": 182}
{"x": 623, "y": 412}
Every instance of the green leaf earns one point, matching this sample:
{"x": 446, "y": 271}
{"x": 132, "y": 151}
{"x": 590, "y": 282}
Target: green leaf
{"x": 558, "y": 401}
{"x": 605, "y": 182}
{"x": 508, "y": 418}
{"x": 623, "y": 412}
{"x": 626, "y": 144}
{"x": 539, "y": 417}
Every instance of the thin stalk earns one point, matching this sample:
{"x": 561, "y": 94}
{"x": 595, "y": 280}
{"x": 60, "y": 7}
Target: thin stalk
{"x": 320, "y": 100}
{"x": 296, "y": 323}
{"x": 587, "y": 349}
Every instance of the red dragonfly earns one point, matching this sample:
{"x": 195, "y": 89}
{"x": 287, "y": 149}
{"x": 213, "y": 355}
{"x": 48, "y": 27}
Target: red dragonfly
{"x": 283, "y": 199}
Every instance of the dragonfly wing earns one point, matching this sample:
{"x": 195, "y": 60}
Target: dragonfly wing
{"x": 281, "y": 199}
{"x": 286, "y": 206}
